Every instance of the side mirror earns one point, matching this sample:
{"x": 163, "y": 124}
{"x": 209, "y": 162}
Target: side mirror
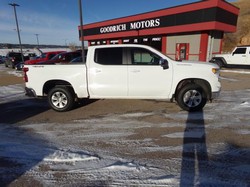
{"x": 164, "y": 63}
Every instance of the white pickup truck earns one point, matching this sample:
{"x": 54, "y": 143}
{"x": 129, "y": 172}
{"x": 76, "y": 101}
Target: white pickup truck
{"x": 240, "y": 57}
{"x": 124, "y": 72}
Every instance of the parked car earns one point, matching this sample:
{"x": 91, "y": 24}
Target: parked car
{"x": 19, "y": 66}
{"x": 240, "y": 57}
{"x": 2, "y": 59}
{"x": 76, "y": 60}
{"x": 44, "y": 57}
{"x": 12, "y": 59}
{"x": 79, "y": 59}
{"x": 30, "y": 56}
{"x": 65, "y": 57}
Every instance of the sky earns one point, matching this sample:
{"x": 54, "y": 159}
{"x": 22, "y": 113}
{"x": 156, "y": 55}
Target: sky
{"x": 56, "y": 21}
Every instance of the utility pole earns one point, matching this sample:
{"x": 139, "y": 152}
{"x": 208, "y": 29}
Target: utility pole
{"x": 65, "y": 40}
{"x": 37, "y": 40}
{"x": 18, "y": 33}
{"x": 81, "y": 30}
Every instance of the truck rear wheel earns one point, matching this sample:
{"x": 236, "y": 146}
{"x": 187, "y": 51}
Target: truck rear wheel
{"x": 60, "y": 99}
{"x": 191, "y": 97}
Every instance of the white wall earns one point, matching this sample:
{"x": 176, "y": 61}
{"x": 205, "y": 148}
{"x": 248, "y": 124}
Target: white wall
{"x": 192, "y": 39}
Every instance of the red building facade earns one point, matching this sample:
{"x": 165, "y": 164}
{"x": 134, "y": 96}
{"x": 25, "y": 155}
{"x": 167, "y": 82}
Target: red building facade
{"x": 188, "y": 32}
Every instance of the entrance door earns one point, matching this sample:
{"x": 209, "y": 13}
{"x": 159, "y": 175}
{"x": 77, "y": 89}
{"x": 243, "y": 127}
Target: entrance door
{"x": 182, "y": 51}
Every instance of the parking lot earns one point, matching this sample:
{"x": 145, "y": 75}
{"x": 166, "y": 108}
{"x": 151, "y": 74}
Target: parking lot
{"x": 125, "y": 142}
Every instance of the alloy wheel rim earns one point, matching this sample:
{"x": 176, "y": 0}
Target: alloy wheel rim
{"x": 192, "y": 98}
{"x": 59, "y": 100}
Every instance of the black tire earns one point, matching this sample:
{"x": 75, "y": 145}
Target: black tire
{"x": 191, "y": 97}
{"x": 12, "y": 65}
{"x": 60, "y": 99}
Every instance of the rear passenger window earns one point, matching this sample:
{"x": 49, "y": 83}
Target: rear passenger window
{"x": 109, "y": 56}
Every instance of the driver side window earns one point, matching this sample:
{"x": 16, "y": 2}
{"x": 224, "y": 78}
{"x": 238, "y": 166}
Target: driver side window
{"x": 144, "y": 57}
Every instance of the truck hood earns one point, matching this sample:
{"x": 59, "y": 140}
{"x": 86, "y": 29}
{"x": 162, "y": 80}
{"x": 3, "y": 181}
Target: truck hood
{"x": 221, "y": 55}
{"x": 197, "y": 63}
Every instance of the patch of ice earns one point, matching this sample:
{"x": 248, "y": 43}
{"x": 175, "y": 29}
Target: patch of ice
{"x": 125, "y": 166}
{"x": 67, "y": 156}
{"x": 245, "y": 104}
{"x": 243, "y": 131}
{"x": 236, "y": 71}
{"x": 16, "y": 73}
{"x": 224, "y": 78}
{"x": 108, "y": 135}
{"x": 185, "y": 135}
{"x": 139, "y": 114}
{"x": 164, "y": 149}
{"x": 166, "y": 180}
{"x": 11, "y": 92}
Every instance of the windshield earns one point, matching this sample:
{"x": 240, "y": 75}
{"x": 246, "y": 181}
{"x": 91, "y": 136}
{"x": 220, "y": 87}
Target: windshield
{"x": 43, "y": 55}
{"x": 58, "y": 56}
{"x": 14, "y": 54}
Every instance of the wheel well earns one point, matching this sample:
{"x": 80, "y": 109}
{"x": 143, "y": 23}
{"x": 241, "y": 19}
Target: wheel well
{"x": 221, "y": 59}
{"x": 203, "y": 83}
{"x": 56, "y": 83}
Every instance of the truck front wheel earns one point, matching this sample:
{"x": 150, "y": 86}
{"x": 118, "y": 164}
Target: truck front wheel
{"x": 60, "y": 99}
{"x": 191, "y": 97}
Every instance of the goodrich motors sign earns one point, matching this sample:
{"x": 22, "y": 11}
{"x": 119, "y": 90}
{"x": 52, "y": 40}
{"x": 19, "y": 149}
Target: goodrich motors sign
{"x": 181, "y": 19}
{"x": 137, "y": 25}
{"x": 131, "y": 26}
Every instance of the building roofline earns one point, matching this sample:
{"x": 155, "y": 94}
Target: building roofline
{"x": 168, "y": 11}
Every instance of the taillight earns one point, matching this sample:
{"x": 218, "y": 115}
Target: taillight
{"x": 25, "y": 77}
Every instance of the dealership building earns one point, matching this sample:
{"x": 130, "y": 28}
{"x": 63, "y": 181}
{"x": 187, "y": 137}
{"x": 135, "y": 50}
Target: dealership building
{"x": 187, "y": 32}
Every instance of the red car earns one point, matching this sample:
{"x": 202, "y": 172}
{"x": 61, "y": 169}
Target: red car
{"x": 44, "y": 57}
{"x": 65, "y": 57}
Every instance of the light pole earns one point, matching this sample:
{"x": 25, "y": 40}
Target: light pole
{"x": 17, "y": 27}
{"x": 81, "y": 30}
{"x": 37, "y": 40}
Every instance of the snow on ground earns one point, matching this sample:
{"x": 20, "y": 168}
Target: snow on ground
{"x": 4, "y": 52}
{"x": 17, "y": 91}
{"x": 50, "y": 152}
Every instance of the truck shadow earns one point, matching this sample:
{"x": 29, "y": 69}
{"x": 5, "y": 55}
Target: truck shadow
{"x": 194, "y": 153}
{"x": 17, "y": 111}
{"x": 21, "y": 149}
{"x": 229, "y": 166}
{"x": 84, "y": 102}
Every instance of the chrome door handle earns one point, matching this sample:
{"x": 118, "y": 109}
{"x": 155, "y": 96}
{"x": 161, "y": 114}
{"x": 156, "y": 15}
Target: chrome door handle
{"x": 98, "y": 71}
{"x": 136, "y": 71}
